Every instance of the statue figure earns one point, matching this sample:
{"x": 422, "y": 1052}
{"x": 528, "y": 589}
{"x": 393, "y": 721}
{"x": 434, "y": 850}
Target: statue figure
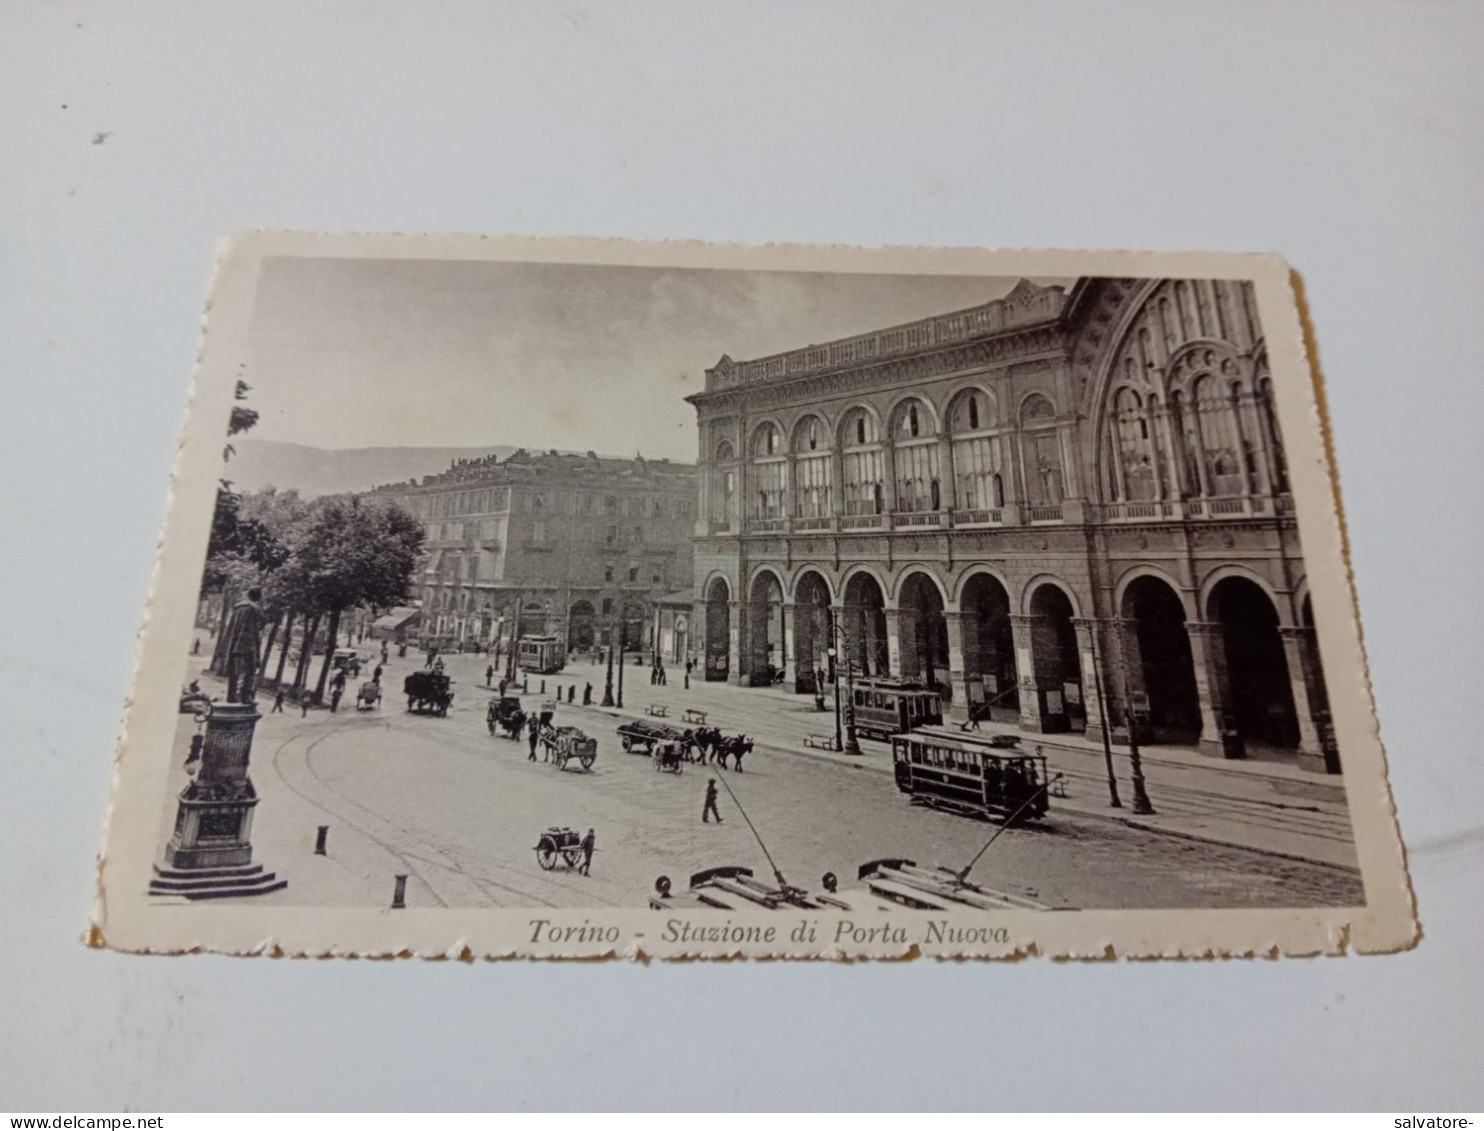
{"x": 244, "y": 643}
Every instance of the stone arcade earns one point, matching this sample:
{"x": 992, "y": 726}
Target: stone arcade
{"x": 996, "y": 500}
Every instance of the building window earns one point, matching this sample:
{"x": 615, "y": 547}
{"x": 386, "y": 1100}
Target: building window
{"x": 610, "y": 504}
{"x": 608, "y": 573}
{"x": 633, "y": 573}
{"x": 607, "y": 606}
{"x": 638, "y": 534}
{"x": 862, "y": 466}
{"x": 612, "y": 535}
{"x": 538, "y": 533}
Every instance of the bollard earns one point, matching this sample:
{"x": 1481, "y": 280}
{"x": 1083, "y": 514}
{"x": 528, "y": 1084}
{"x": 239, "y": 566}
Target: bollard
{"x": 525, "y": 686}
{"x": 399, "y": 896}
{"x": 319, "y": 841}
{"x": 543, "y": 687}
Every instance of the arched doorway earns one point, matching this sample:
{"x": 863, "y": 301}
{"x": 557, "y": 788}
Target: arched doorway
{"x": 989, "y": 648}
{"x": 581, "y": 618}
{"x": 635, "y": 622}
{"x": 718, "y": 630}
{"x": 533, "y": 619}
{"x": 1261, "y": 694}
{"x": 1058, "y": 671}
{"x": 924, "y": 634}
{"x": 765, "y": 630}
{"x": 865, "y": 626}
{"x": 1166, "y": 669}
{"x": 811, "y": 629}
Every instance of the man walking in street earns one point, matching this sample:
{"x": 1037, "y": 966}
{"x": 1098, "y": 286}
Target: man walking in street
{"x": 709, "y": 810}
{"x": 277, "y": 702}
{"x": 587, "y": 695}
{"x": 489, "y": 676}
{"x": 535, "y": 727}
{"x": 589, "y": 842}
{"x": 304, "y": 704}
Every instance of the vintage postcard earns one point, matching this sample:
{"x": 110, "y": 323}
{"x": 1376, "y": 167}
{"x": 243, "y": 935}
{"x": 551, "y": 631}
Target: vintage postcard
{"x": 577, "y": 598}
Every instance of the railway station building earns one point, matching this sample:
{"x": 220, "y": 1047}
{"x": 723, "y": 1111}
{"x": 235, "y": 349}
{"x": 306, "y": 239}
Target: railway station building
{"x": 576, "y": 546}
{"x": 1066, "y": 505}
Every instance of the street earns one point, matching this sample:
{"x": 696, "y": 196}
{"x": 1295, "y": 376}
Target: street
{"x": 458, "y": 811}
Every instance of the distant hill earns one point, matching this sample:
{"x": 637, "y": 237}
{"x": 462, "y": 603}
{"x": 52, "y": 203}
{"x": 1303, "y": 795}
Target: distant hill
{"x": 321, "y": 471}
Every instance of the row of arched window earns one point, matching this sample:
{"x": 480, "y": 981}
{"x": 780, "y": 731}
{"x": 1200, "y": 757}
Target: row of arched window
{"x": 916, "y": 466}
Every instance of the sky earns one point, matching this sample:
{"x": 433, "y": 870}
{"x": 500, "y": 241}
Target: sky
{"x": 349, "y": 353}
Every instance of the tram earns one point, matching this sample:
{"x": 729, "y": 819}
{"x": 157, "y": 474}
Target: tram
{"x": 887, "y": 707}
{"x": 543, "y": 655}
{"x": 971, "y": 773}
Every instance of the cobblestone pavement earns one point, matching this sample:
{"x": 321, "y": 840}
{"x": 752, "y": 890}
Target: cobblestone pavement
{"x": 459, "y": 812}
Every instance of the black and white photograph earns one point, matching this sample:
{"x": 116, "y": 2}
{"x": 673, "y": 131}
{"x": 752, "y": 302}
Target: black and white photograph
{"x": 878, "y": 605}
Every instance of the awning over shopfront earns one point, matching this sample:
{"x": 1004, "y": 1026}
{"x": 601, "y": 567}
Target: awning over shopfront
{"x": 397, "y": 621}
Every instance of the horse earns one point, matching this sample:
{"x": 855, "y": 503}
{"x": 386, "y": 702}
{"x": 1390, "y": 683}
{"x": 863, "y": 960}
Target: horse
{"x": 734, "y": 748}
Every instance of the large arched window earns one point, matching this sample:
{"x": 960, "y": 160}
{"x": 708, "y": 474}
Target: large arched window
{"x": 1136, "y": 474}
{"x": 915, "y": 444}
{"x": 724, "y": 487}
{"x": 1045, "y": 479}
{"x": 861, "y": 463}
{"x": 770, "y": 473}
{"x": 811, "y": 469}
{"x": 978, "y": 455}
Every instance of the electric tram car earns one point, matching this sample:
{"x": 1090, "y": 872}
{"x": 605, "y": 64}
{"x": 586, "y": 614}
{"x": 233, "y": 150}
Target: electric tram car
{"x": 887, "y": 707}
{"x": 543, "y": 655}
{"x": 971, "y": 773}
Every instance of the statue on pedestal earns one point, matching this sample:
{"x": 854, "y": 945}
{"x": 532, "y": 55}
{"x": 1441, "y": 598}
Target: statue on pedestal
{"x": 243, "y": 645}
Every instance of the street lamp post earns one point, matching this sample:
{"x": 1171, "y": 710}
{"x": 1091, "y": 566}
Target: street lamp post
{"x": 608, "y": 681}
{"x": 839, "y": 734}
{"x": 851, "y": 744}
{"x": 1114, "y": 802}
{"x": 1142, "y": 804}
{"x": 622, "y": 618}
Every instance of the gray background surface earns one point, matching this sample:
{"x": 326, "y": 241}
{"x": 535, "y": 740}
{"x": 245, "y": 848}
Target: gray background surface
{"x": 1345, "y": 135}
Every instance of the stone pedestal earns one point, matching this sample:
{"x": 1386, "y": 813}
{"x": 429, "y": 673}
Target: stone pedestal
{"x": 209, "y": 855}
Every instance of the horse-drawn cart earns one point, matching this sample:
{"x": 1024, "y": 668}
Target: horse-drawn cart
{"x": 669, "y": 757}
{"x": 568, "y": 744}
{"x": 368, "y": 697}
{"x": 642, "y": 737}
{"x": 428, "y": 693}
{"x": 505, "y": 714}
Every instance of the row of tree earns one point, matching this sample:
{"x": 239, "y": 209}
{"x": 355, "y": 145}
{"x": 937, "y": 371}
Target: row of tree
{"x": 314, "y": 560}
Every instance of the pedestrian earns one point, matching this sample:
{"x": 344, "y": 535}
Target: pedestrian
{"x": 710, "y": 809}
{"x": 376, "y": 675}
{"x": 196, "y": 646}
{"x": 572, "y": 693}
{"x": 587, "y": 695}
{"x": 335, "y": 699}
{"x": 489, "y": 676}
{"x": 589, "y": 842}
{"x": 304, "y": 704}
{"x": 277, "y": 702}
{"x": 535, "y": 725}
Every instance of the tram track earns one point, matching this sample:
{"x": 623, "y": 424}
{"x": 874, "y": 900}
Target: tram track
{"x": 435, "y": 853}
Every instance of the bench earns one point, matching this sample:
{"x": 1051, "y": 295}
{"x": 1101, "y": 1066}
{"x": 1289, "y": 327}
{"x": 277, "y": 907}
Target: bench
{"x": 658, "y": 710}
{"x": 820, "y": 741}
{"x": 694, "y": 716}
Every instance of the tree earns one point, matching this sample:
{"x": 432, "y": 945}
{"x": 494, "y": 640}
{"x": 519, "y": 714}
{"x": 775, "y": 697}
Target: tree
{"x": 353, "y": 552}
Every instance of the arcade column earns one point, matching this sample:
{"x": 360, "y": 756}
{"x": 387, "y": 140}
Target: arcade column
{"x": 953, "y": 623}
{"x": 893, "y": 642}
{"x": 1088, "y": 654}
{"x": 736, "y": 639}
{"x": 1219, "y": 735}
{"x": 788, "y": 627}
{"x": 1317, "y": 752}
{"x": 1042, "y": 709}
{"x": 209, "y": 855}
